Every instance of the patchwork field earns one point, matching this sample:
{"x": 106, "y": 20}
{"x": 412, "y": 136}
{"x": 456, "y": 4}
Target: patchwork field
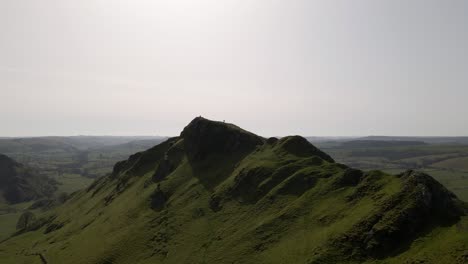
{"x": 453, "y": 164}
{"x": 74, "y": 162}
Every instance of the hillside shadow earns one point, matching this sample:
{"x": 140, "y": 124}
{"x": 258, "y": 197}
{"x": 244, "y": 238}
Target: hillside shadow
{"x": 215, "y": 168}
{"x": 407, "y": 242}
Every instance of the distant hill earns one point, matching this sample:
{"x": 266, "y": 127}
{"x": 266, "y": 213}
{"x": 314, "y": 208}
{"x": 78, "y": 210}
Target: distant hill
{"x": 329, "y": 139}
{"x": 136, "y": 145}
{"x": 220, "y": 194}
{"x": 429, "y": 140}
{"x": 66, "y": 144}
{"x": 74, "y": 161}
{"x": 19, "y": 183}
{"x": 380, "y": 143}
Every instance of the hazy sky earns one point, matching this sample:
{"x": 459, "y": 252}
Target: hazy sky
{"x": 305, "y": 67}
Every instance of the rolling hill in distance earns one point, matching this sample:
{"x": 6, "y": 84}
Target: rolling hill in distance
{"x": 220, "y": 194}
{"x": 444, "y": 158}
{"x": 74, "y": 161}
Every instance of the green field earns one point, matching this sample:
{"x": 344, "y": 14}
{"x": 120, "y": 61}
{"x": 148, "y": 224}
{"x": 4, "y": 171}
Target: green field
{"x": 460, "y": 164}
{"x": 9, "y": 215}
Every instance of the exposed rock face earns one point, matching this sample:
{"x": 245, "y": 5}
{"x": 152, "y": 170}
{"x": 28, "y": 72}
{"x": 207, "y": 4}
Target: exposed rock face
{"x": 203, "y": 137}
{"x": 421, "y": 204}
{"x": 172, "y": 158}
{"x": 20, "y": 183}
{"x": 432, "y": 196}
{"x": 158, "y": 199}
{"x": 143, "y": 160}
{"x": 350, "y": 177}
{"x": 165, "y": 167}
{"x": 25, "y": 220}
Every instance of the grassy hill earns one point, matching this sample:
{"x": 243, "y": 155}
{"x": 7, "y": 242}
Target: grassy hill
{"x": 219, "y": 194}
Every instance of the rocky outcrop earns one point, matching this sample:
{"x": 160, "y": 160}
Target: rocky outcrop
{"x": 421, "y": 204}
{"x": 171, "y": 160}
{"x": 158, "y": 199}
{"x": 203, "y": 137}
{"x": 141, "y": 161}
{"x": 350, "y": 177}
{"x": 165, "y": 167}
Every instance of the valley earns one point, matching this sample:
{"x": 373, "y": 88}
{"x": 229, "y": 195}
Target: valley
{"x": 73, "y": 163}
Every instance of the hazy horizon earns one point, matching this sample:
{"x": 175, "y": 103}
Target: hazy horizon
{"x": 313, "y": 68}
{"x": 270, "y": 135}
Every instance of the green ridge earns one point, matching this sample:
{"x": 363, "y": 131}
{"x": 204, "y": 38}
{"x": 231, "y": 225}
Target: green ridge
{"x": 219, "y": 194}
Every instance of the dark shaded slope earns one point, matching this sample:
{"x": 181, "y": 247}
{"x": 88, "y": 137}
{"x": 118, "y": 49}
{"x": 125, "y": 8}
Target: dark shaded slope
{"x": 421, "y": 204}
{"x": 203, "y": 137}
{"x": 19, "y": 183}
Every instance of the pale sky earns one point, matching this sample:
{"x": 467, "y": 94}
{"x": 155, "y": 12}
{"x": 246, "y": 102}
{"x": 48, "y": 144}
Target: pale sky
{"x": 315, "y": 68}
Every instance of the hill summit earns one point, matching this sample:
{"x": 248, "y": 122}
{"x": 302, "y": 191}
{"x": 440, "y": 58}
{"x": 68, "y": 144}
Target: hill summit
{"x": 203, "y": 137}
{"x": 220, "y": 194}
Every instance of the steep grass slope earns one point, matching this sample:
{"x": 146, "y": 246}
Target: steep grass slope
{"x": 219, "y": 194}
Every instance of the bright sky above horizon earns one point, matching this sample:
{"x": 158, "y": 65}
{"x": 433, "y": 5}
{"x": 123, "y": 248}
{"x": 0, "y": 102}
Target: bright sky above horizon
{"x": 315, "y": 68}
